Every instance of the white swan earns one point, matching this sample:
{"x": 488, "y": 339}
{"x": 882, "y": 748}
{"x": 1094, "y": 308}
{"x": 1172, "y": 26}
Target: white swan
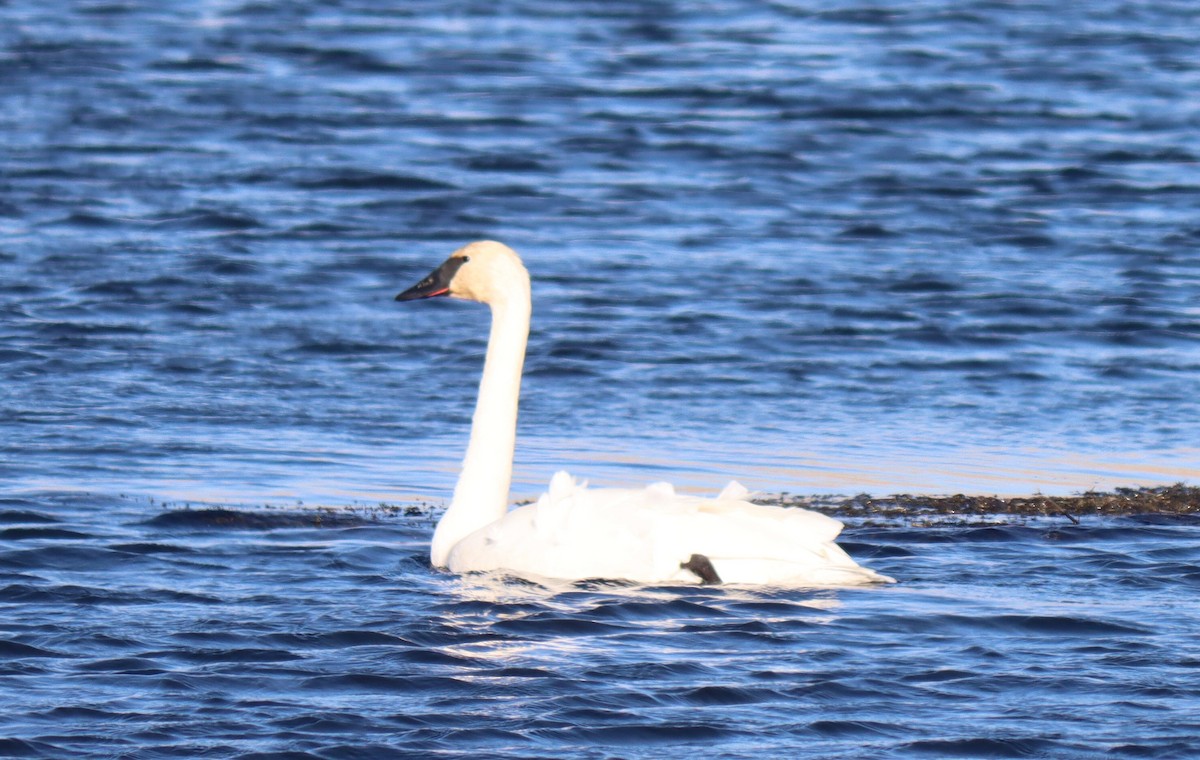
{"x": 573, "y": 532}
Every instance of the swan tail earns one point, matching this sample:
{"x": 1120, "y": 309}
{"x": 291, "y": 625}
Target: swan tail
{"x": 793, "y": 572}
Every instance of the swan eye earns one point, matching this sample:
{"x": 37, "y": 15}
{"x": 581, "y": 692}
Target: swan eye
{"x": 466, "y": 259}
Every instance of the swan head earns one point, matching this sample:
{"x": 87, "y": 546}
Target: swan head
{"x": 483, "y": 271}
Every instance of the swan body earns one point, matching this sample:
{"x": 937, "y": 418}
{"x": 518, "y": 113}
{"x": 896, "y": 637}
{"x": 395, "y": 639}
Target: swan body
{"x": 650, "y": 535}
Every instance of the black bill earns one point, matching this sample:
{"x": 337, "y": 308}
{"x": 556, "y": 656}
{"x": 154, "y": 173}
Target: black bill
{"x": 437, "y": 283}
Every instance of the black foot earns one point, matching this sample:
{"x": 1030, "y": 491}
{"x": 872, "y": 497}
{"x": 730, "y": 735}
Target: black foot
{"x": 703, "y": 567}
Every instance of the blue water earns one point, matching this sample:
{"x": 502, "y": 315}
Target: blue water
{"x": 818, "y": 247}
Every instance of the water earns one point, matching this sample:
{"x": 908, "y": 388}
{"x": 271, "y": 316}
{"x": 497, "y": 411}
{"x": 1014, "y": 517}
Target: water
{"x": 815, "y": 247}
{"x": 135, "y": 633}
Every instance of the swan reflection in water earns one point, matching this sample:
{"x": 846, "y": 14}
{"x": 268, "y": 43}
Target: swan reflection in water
{"x": 503, "y": 618}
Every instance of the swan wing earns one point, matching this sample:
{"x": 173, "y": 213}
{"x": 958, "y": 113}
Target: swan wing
{"x": 647, "y": 535}
{"x": 734, "y": 490}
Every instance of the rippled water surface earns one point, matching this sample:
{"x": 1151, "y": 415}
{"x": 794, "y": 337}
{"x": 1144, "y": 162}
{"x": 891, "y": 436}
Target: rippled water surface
{"x": 818, "y": 247}
{"x": 136, "y": 633}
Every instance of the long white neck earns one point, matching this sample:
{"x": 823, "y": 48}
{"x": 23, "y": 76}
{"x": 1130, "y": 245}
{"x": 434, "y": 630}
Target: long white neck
{"x": 481, "y": 495}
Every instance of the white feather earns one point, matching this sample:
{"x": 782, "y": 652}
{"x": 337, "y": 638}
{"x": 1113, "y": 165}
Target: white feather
{"x": 576, "y": 532}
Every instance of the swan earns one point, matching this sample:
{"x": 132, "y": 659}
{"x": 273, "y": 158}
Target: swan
{"x": 573, "y": 532}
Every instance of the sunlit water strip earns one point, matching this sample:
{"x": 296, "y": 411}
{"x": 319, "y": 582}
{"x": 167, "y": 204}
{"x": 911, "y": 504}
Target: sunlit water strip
{"x": 426, "y": 473}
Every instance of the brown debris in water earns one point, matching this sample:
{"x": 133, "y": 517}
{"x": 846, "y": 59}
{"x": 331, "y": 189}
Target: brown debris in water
{"x": 1178, "y": 499}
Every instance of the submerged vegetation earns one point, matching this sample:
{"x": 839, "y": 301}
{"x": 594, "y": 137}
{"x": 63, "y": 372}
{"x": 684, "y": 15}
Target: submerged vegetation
{"x": 269, "y": 516}
{"x": 1178, "y": 499}
{"x": 863, "y": 509}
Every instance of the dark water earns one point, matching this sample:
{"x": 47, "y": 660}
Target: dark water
{"x": 134, "y": 633}
{"x": 813, "y": 246}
